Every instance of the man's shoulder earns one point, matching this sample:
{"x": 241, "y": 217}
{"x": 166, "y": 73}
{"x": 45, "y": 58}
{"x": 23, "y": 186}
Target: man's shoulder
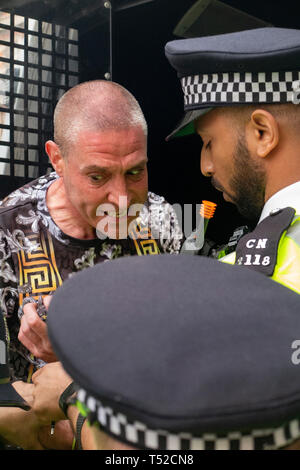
{"x": 159, "y": 207}
{"x": 156, "y": 201}
{"x": 155, "y": 198}
{"x": 163, "y": 223}
{"x": 25, "y": 195}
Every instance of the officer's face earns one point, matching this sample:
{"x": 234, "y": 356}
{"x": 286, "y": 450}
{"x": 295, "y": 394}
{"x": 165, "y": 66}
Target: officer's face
{"x": 225, "y": 158}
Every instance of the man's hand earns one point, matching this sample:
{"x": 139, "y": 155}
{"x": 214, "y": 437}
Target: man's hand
{"x": 18, "y": 427}
{"x": 49, "y": 383}
{"x": 33, "y": 332}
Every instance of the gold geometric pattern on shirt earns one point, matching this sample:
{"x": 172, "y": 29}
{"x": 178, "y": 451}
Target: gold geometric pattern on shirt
{"x": 38, "y": 269}
{"x": 146, "y": 247}
{"x": 143, "y": 241}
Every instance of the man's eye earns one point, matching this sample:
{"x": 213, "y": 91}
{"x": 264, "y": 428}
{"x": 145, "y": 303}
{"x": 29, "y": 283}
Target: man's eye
{"x": 207, "y": 146}
{"x": 96, "y": 177}
{"x": 134, "y": 172}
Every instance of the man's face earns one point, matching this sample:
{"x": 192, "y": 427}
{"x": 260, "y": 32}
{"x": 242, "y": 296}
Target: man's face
{"x": 225, "y": 158}
{"x": 102, "y": 167}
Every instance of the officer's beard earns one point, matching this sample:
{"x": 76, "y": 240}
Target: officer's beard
{"x": 248, "y": 182}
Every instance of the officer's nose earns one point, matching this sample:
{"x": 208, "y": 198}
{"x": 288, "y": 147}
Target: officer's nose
{"x": 206, "y": 165}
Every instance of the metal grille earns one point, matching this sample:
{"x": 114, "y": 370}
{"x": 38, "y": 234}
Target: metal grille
{"x": 38, "y": 63}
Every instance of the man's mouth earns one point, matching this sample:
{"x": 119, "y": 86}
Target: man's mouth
{"x": 118, "y": 215}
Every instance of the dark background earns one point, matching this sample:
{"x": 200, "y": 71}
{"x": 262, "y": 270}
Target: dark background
{"x": 139, "y": 36}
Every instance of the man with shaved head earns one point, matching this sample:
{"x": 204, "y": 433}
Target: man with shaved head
{"x": 94, "y": 207}
{"x": 97, "y": 118}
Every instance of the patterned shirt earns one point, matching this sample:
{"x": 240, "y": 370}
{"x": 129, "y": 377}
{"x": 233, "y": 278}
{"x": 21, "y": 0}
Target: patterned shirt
{"x": 36, "y": 256}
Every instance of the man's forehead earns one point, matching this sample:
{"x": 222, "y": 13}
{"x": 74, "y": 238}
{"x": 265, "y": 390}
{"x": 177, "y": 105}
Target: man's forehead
{"x": 134, "y": 132}
{"x": 108, "y": 164}
{"x": 111, "y": 140}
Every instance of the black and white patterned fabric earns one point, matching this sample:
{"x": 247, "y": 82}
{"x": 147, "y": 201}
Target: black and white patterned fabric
{"x": 36, "y": 256}
{"x": 240, "y": 88}
{"x": 139, "y": 435}
{"x": 256, "y": 66}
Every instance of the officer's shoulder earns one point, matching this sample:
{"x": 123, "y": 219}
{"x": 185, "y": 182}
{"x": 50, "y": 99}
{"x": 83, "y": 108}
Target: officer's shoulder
{"x": 229, "y": 259}
{"x": 293, "y": 231}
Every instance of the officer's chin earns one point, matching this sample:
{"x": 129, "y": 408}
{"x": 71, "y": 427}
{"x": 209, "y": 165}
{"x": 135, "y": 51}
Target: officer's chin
{"x": 227, "y": 197}
{"x": 230, "y": 198}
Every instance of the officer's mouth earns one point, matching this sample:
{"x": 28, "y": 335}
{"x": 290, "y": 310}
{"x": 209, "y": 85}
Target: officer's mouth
{"x": 227, "y": 197}
{"x": 217, "y": 186}
{"x": 220, "y": 188}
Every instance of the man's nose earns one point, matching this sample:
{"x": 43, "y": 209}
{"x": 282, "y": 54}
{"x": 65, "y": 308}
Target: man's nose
{"x": 206, "y": 165}
{"x": 118, "y": 192}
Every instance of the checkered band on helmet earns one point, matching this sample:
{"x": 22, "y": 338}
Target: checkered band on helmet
{"x": 240, "y": 88}
{"x": 139, "y": 435}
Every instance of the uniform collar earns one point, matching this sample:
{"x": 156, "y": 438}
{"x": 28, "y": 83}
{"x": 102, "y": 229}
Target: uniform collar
{"x": 286, "y": 197}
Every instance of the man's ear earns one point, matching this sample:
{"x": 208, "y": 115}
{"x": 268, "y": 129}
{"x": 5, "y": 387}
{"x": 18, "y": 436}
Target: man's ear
{"x": 55, "y": 156}
{"x": 264, "y": 132}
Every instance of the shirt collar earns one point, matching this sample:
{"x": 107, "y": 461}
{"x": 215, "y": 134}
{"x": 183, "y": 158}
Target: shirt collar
{"x": 286, "y": 197}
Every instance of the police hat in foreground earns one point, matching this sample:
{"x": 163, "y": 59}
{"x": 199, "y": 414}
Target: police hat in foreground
{"x": 258, "y": 66}
{"x": 182, "y": 352}
{"x": 8, "y": 395}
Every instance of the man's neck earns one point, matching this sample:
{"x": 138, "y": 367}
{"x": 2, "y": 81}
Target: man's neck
{"x": 64, "y": 214}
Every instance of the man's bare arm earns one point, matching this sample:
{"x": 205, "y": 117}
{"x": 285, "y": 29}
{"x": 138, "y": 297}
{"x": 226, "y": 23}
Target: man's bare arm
{"x": 50, "y": 382}
{"x": 18, "y": 427}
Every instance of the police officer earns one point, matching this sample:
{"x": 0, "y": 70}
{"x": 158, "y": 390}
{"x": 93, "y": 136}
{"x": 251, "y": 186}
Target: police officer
{"x": 241, "y": 95}
{"x": 174, "y": 353}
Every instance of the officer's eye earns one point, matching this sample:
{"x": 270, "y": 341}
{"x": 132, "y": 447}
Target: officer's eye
{"x": 207, "y": 146}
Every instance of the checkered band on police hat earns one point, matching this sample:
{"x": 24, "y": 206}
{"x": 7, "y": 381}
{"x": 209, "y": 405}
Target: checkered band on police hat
{"x": 137, "y": 434}
{"x": 240, "y": 88}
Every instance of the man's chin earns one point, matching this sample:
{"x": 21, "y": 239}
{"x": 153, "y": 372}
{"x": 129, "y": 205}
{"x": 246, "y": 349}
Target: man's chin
{"x": 115, "y": 228}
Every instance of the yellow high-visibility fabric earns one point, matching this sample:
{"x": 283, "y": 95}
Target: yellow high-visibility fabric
{"x": 287, "y": 269}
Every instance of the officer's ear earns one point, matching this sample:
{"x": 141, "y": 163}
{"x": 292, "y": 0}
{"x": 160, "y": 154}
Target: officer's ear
{"x": 263, "y": 131}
